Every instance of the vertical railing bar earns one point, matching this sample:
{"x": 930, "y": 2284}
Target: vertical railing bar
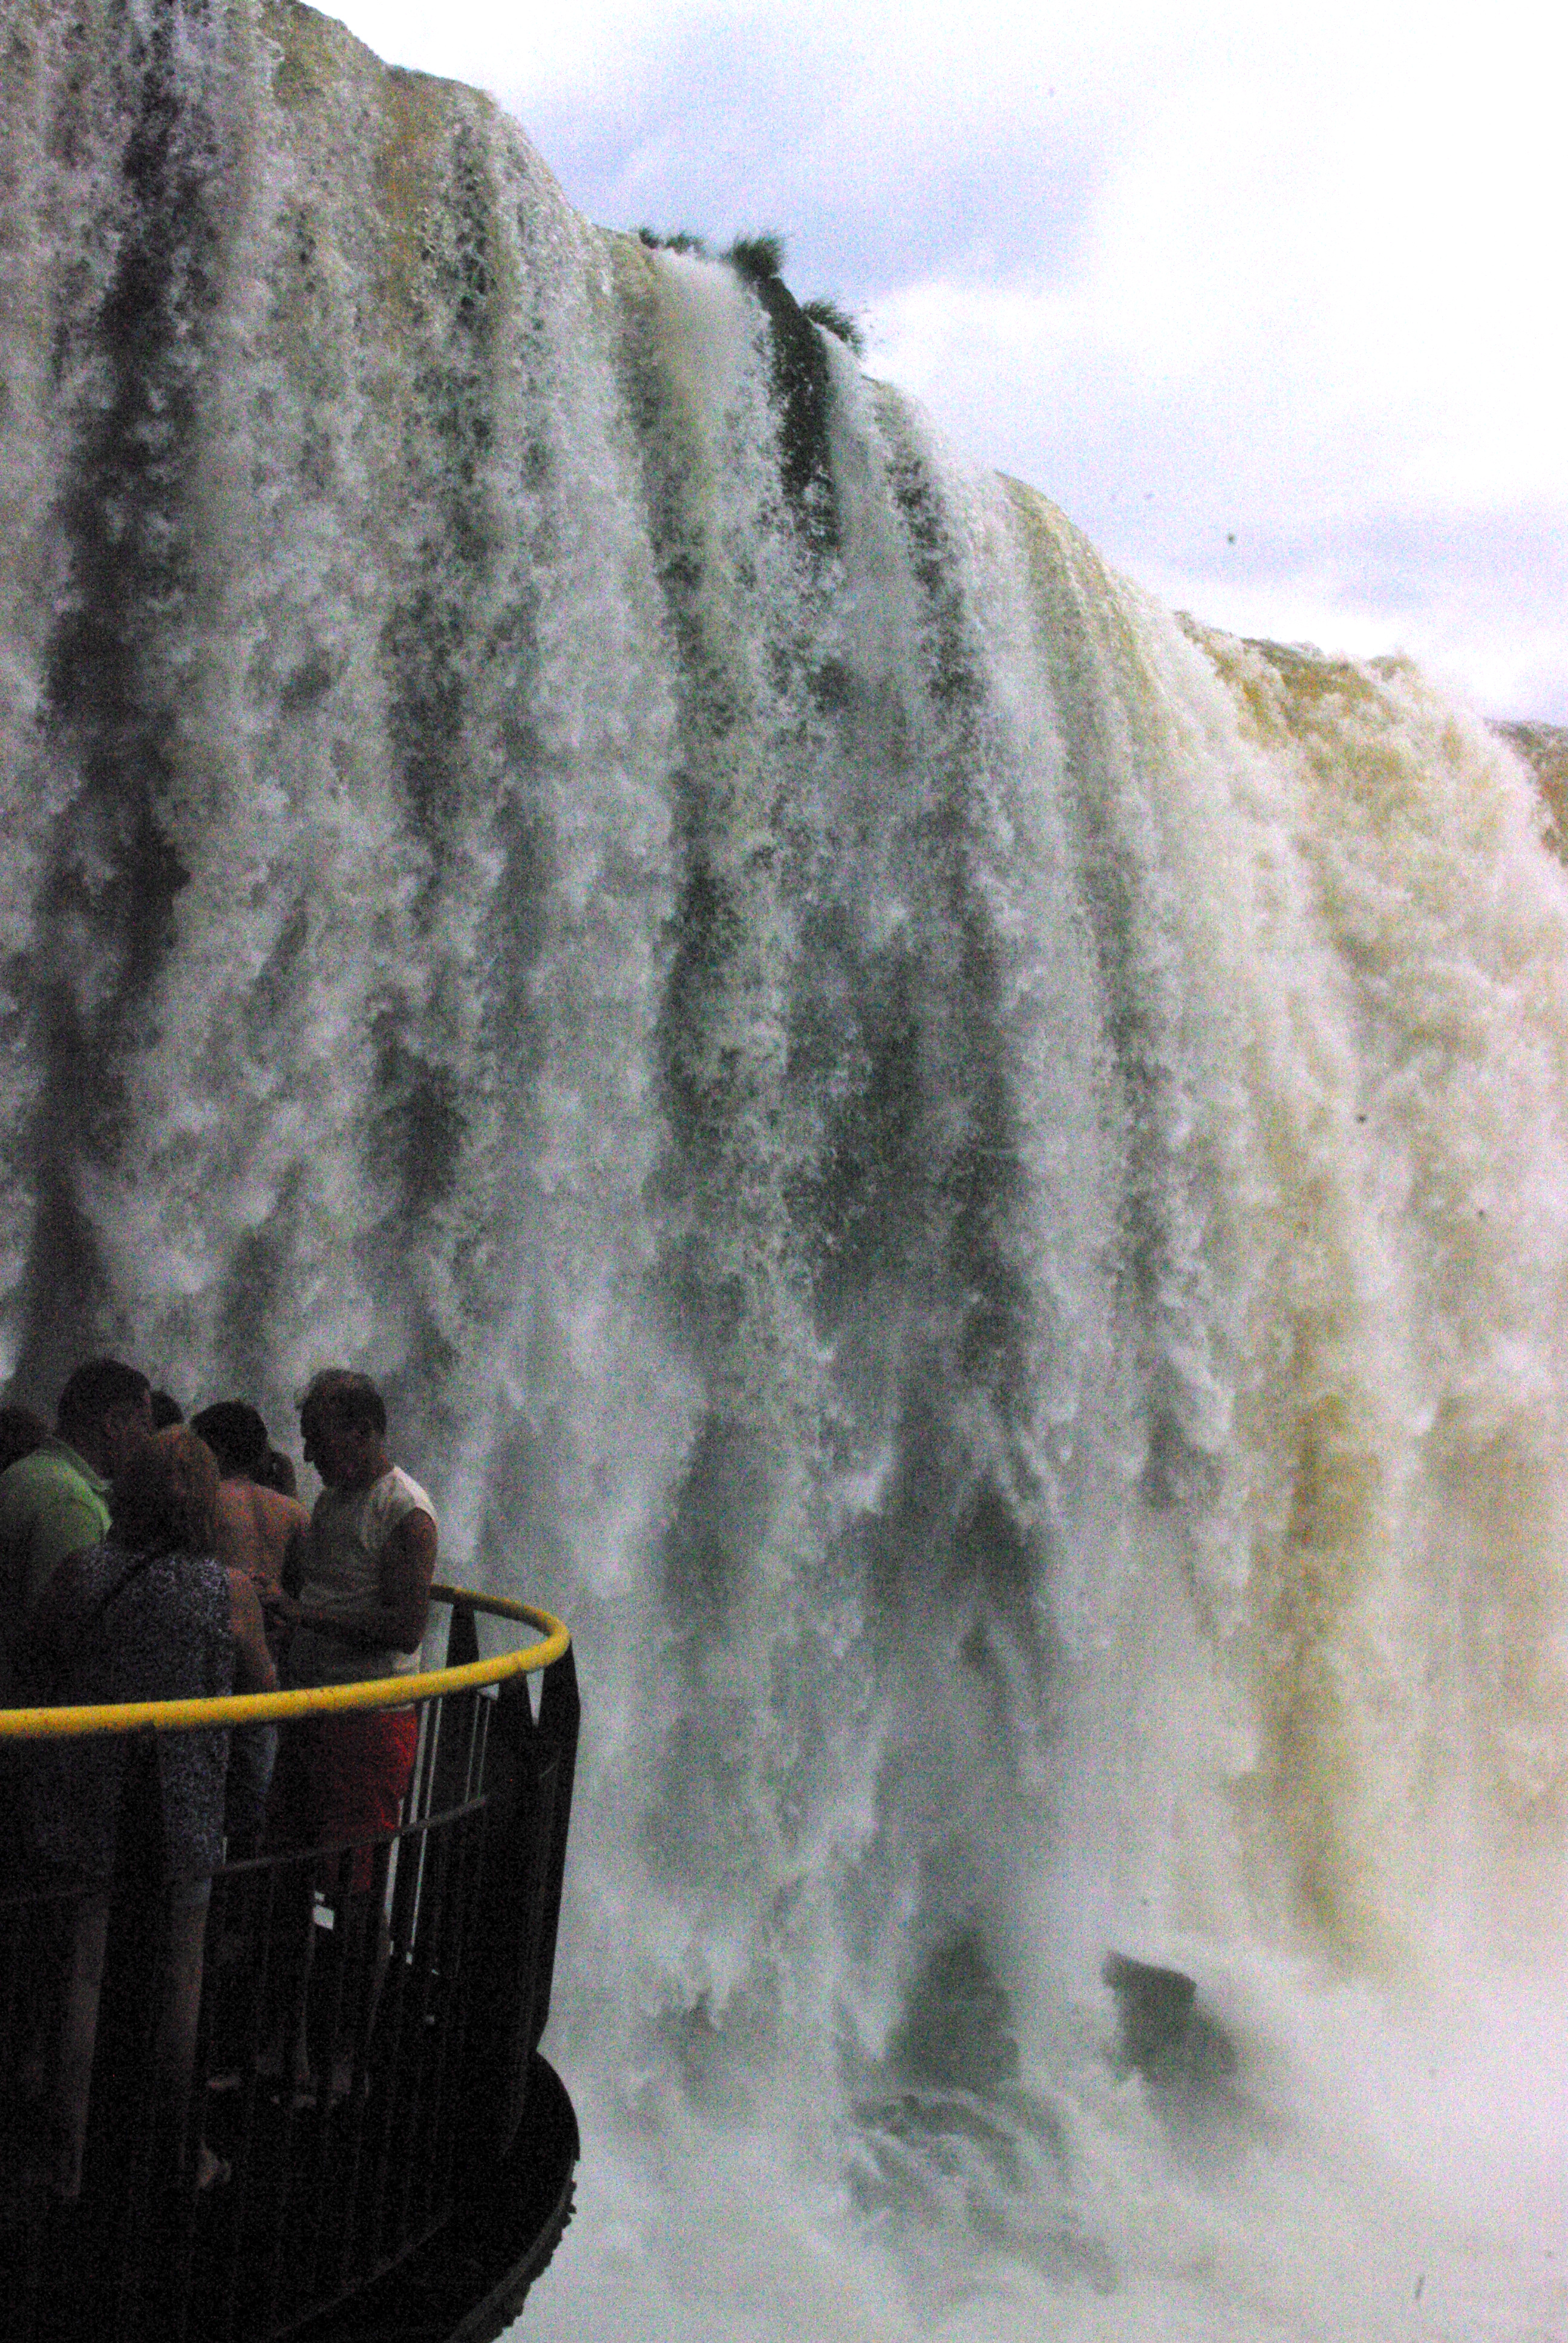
{"x": 471, "y": 1748}
{"x": 402, "y": 2133}
{"x": 261, "y": 1896}
{"x": 404, "y": 1927}
{"x": 414, "y": 1795}
{"x": 450, "y": 1957}
{"x": 192, "y": 2131}
{"x": 560, "y": 1713}
{"x": 428, "y": 1798}
{"x": 325, "y": 2068}
{"x": 136, "y": 2225}
{"x": 438, "y": 1710}
{"x": 394, "y": 2205}
{"x": 487, "y": 1716}
{"x": 438, "y": 1861}
{"x": 455, "y": 2026}
{"x": 417, "y": 1805}
{"x": 363, "y": 2031}
{"x": 448, "y": 2071}
{"x": 435, "y": 2107}
{"x": 455, "y": 2031}
{"x": 202, "y": 2252}
{"x": 474, "y": 1773}
{"x": 245, "y": 1888}
{"x": 294, "y": 2020}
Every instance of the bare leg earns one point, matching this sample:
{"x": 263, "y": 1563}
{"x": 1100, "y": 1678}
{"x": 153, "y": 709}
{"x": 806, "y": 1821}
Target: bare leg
{"x": 293, "y": 1935}
{"x": 178, "y": 2021}
{"x": 362, "y": 1947}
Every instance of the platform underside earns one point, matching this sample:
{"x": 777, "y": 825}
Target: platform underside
{"x": 466, "y": 2283}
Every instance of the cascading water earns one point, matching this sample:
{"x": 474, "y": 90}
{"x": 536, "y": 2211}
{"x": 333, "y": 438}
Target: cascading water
{"x": 966, "y": 1176}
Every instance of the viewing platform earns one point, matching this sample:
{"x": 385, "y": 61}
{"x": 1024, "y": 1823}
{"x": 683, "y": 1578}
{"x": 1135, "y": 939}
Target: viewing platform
{"x": 404, "y": 2169}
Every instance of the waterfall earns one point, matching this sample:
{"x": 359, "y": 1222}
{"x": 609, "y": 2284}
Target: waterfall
{"x": 965, "y": 1174}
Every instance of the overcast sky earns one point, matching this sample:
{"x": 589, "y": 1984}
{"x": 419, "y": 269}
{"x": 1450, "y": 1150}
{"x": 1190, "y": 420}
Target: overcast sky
{"x": 1270, "y": 299}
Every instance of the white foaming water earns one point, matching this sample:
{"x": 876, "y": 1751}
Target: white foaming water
{"x": 966, "y": 1177}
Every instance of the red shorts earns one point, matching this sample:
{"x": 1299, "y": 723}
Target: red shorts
{"x": 342, "y": 1779}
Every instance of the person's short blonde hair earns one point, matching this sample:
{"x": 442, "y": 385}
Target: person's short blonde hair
{"x": 165, "y": 1500}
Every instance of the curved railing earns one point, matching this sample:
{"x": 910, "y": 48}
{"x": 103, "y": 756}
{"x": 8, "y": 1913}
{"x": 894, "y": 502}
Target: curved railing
{"x": 369, "y": 2017}
{"x": 317, "y": 1700}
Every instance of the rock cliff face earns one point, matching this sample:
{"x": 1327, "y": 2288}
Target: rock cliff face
{"x": 966, "y": 1177}
{"x": 1544, "y": 749}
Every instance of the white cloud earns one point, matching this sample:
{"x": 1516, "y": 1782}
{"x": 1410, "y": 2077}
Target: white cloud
{"x": 1291, "y": 277}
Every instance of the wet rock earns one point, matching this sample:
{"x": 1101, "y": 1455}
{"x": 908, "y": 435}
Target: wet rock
{"x": 1162, "y": 2033}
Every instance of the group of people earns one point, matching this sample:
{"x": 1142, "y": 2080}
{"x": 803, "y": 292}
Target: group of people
{"x": 145, "y": 1563}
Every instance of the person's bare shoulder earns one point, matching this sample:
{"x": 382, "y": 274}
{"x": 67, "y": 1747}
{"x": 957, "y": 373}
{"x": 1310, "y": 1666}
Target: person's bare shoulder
{"x": 236, "y": 1526}
{"x": 283, "y": 1515}
{"x": 281, "y": 1508}
{"x": 280, "y": 1524}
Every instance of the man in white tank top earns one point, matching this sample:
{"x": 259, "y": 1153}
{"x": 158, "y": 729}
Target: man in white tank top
{"x": 361, "y": 1611}
{"x": 369, "y": 1559}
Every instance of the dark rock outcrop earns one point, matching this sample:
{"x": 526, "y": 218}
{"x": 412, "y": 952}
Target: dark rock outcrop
{"x": 1163, "y": 2034}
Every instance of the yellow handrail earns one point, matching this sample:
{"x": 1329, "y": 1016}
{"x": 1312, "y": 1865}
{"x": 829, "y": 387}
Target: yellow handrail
{"x": 316, "y": 1700}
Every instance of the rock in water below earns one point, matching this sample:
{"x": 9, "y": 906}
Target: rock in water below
{"x": 1163, "y": 2035}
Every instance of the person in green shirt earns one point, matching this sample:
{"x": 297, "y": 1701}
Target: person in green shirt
{"x": 56, "y": 1501}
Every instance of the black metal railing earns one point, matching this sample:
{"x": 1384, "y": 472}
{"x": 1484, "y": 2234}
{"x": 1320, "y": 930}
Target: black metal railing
{"x": 363, "y": 2052}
